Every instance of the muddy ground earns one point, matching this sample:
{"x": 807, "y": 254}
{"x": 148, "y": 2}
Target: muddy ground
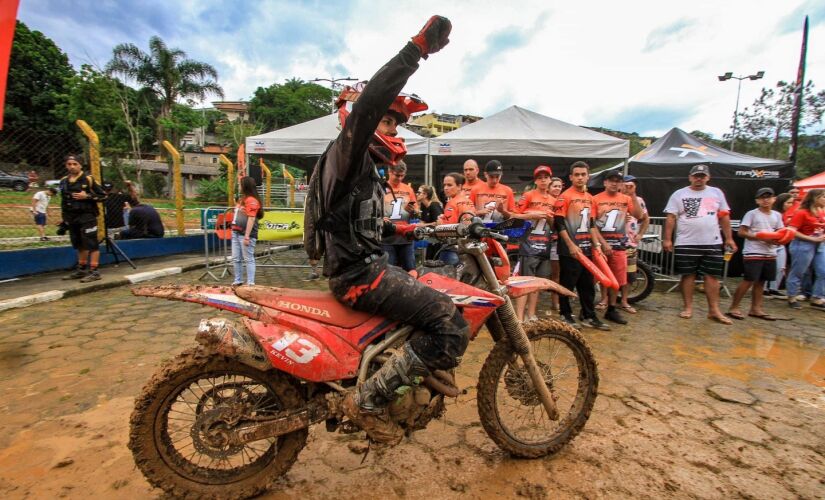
{"x": 686, "y": 408}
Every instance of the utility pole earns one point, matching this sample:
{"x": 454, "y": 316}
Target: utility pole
{"x": 335, "y": 86}
{"x": 729, "y": 76}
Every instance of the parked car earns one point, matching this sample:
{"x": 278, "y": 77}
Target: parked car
{"x": 16, "y": 182}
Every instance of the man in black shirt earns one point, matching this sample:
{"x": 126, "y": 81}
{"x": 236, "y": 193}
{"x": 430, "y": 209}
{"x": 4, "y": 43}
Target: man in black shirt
{"x": 79, "y": 195}
{"x": 144, "y": 220}
{"x": 352, "y": 226}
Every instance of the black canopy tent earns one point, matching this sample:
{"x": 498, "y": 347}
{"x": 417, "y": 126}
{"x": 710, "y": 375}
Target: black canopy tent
{"x": 663, "y": 167}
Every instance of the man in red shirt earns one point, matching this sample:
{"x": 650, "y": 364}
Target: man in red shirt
{"x": 537, "y": 206}
{"x": 400, "y": 205}
{"x": 493, "y": 200}
{"x": 578, "y": 235}
{"x": 471, "y": 179}
{"x": 612, "y": 207}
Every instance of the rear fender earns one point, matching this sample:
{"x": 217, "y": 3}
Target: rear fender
{"x": 518, "y": 286}
{"x": 219, "y": 297}
{"x": 230, "y": 339}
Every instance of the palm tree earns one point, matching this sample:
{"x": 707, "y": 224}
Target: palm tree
{"x": 167, "y": 73}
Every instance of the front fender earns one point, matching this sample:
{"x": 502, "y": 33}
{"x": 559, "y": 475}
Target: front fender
{"x": 518, "y": 286}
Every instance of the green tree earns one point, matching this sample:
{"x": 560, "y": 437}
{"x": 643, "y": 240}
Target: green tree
{"x": 182, "y": 119}
{"x": 167, "y": 73}
{"x": 290, "y": 103}
{"x": 767, "y": 122}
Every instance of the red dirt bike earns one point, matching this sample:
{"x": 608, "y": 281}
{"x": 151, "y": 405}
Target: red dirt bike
{"x": 228, "y": 418}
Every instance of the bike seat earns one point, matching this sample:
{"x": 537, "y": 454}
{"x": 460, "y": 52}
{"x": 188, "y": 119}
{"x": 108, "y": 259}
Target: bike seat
{"x": 316, "y": 305}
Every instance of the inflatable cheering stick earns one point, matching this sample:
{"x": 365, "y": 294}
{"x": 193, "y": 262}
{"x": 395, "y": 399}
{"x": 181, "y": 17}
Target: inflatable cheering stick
{"x": 595, "y": 271}
{"x": 598, "y": 258}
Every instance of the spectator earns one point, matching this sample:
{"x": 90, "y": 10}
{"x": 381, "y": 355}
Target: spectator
{"x": 79, "y": 195}
{"x": 612, "y": 209}
{"x": 40, "y": 205}
{"x": 578, "y": 235}
{"x": 115, "y": 207}
{"x": 431, "y": 209}
{"x": 458, "y": 208}
{"x": 471, "y": 179}
{"x": 758, "y": 256}
{"x": 698, "y": 212}
{"x": 245, "y": 231}
{"x": 33, "y": 178}
{"x": 636, "y": 229}
{"x": 143, "y": 220}
{"x": 797, "y": 199}
{"x": 807, "y": 249}
{"x": 399, "y": 206}
{"x": 782, "y": 204}
{"x": 493, "y": 200}
{"x": 534, "y": 248}
{"x": 556, "y": 187}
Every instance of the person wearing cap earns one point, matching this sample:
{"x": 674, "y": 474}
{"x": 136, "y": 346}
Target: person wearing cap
{"x": 636, "y": 229}
{"x": 534, "y": 249}
{"x": 79, "y": 196}
{"x": 758, "y": 256}
{"x": 40, "y": 205}
{"x": 400, "y": 206}
{"x": 471, "y": 179}
{"x": 699, "y": 213}
{"x": 493, "y": 200}
{"x": 612, "y": 209}
{"x": 577, "y": 232}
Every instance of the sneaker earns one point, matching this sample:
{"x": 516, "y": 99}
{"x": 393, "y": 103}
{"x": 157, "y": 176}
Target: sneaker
{"x": 312, "y": 276}
{"x": 800, "y": 298}
{"x": 566, "y": 318}
{"x": 597, "y": 324}
{"x": 613, "y": 315}
{"x": 794, "y": 304}
{"x": 76, "y": 275}
{"x": 92, "y": 276}
{"x": 818, "y": 303}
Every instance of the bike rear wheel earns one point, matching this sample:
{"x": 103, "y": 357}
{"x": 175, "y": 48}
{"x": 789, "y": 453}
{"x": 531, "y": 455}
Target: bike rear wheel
{"x": 510, "y": 410}
{"x": 185, "y": 410}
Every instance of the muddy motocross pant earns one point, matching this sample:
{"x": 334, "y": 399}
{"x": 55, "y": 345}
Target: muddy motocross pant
{"x": 378, "y": 288}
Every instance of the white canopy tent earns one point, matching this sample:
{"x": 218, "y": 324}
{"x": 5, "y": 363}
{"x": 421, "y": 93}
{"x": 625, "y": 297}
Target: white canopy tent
{"x": 301, "y": 145}
{"x": 522, "y": 139}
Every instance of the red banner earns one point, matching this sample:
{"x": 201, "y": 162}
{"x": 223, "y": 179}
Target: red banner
{"x": 8, "y": 18}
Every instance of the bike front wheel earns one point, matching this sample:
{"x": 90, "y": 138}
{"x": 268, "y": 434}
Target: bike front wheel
{"x": 509, "y": 407}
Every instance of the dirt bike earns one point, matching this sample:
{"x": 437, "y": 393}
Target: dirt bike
{"x": 228, "y": 417}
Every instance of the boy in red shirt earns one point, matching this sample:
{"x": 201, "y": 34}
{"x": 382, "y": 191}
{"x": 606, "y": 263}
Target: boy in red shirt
{"x": 493, "y": 200}
{"x": 534, "y": 250}
{"x": 612, "y": 207}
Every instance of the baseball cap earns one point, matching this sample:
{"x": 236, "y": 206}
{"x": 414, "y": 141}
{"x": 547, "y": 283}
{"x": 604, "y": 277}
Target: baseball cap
{"x": 629, "y": 178}
{"x": 493, "y": 167}
{"x": 542, "y": 169}
{"x": 610, "y": 174}
{"x": 765, "y": 191}
{"x": 700, "y": 169}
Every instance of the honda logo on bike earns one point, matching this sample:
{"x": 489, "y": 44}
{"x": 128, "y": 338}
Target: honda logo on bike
{"x": 303, "y": 308}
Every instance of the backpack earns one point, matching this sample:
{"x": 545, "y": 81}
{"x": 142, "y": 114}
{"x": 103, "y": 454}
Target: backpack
{"x": 314, "y": 243}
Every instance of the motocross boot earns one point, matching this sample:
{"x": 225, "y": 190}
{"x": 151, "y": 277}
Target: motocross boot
{"x": 366, "y": 407}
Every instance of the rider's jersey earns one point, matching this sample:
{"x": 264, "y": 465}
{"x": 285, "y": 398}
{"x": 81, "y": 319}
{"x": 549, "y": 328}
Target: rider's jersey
{"x": 348, "y": 169}
{"x": 395, "y": 209}
{"x": 483, "y": 196}
{"x": 467, "y": 187}
{"x": 577, "y": 209}
{"x": 456, "y": 207}
{"x": 611, "y": 217}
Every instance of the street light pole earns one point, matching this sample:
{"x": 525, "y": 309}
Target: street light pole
{"x": 334, "y": 84}
{"x": 729, "y": 76}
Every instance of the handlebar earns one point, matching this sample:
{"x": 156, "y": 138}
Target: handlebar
{"x": 475, "y": 230}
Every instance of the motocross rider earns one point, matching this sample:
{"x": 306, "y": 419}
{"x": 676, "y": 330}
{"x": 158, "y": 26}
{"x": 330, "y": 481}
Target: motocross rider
{"x": 351, "y": 197}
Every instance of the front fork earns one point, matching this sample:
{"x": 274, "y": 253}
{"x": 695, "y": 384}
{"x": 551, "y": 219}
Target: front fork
{"x": 514, "y": 331}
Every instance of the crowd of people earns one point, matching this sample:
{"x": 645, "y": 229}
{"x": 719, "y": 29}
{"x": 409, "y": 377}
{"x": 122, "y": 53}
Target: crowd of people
{"x": 566, "y": 223}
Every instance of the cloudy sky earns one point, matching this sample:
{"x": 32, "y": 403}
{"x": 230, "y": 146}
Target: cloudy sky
{"x": 638, "y": 66}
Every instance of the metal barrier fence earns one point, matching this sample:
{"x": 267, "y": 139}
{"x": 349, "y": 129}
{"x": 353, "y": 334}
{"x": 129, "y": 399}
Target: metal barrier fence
{"x": 274, "y": 254}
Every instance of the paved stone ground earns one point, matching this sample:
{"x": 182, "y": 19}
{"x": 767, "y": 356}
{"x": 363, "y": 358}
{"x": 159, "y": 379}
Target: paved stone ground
{"x": 687, "y": 408}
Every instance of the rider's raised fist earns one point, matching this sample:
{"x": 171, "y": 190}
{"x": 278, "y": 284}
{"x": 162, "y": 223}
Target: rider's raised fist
{"x": 433, "y": 36}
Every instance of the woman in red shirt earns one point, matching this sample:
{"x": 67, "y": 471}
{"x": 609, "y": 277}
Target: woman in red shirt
{"x": 245, "y": 231}
{"x": 457, "y": 209}
{"x": 807, "y": 248}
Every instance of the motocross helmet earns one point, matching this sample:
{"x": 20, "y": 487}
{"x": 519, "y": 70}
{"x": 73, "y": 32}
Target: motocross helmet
{"x": 385, "y": 149}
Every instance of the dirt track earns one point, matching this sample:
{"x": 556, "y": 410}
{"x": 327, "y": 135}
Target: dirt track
{"x": 69, "y": 372}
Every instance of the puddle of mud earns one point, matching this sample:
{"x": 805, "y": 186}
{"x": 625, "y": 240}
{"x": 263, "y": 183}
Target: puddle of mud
{"x": 747, "y": 355}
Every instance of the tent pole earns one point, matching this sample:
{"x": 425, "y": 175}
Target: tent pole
{"x": 626, "y": 166}
{"x": 428, "y": 166}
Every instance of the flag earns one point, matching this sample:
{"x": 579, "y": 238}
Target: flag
{"x": 797, "y": 107}
{"x": 8, "y": 18}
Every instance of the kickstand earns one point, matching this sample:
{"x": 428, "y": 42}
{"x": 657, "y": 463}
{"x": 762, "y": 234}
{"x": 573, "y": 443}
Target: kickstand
{"x": 369, "y": 446}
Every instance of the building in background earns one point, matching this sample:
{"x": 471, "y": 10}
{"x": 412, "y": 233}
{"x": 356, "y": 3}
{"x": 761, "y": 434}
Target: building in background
{"x": 435, "y": 124}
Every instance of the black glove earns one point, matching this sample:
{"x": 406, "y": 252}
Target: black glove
{"x": 433, "y": 36}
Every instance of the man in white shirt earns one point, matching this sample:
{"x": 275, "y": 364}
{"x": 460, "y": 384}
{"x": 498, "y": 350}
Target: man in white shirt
{"x": 698, "y": 212}
{"x": 40, "y": 205}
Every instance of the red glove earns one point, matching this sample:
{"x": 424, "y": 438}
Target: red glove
{"x": 405, "y": 230}
{"x": 433, "y": 36}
